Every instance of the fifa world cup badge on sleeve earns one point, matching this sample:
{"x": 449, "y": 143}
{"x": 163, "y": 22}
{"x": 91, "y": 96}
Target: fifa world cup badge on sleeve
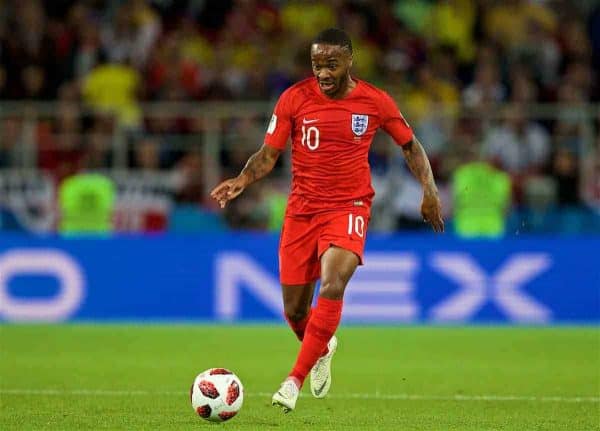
{"x": 360, "y": 123}
{"x": 272, "y": 124}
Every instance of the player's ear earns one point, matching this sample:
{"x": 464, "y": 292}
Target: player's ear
{"x": 350, "y": 61}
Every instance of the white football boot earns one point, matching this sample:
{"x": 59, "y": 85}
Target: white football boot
{"x": 286, "y": 396}
{"x": 320, "y": 375}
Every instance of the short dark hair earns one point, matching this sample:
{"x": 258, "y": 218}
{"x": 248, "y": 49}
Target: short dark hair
{"x": 334, "y": 36}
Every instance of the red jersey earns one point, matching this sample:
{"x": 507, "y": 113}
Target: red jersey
{"x": 330, "y": 143}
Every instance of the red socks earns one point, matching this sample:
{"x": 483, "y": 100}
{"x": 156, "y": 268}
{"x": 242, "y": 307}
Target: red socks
{"x": 300, "y": 326}
{"x": 323, "y": 322}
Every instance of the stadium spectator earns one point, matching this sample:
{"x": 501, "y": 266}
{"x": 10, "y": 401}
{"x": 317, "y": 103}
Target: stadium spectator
{"x": 572, "y": 124}
{"x": 34, "y": 83}
{"x": 114, "y": 88}
{"x": 367, "y": 53}
{"x": 97, "y": 154}
{"x": 299, "y": 18}
{"x": 518, "y": 145}
{"x": 133, "y": 34}
{"x": 30, "y": 53}
{"x": 11, "y": 143}
{"x": 452, "y": 23}
{"x": 147, "y": 154}
{"x": 414, "y": 14}
{"x": 509, "y": 22}
{"x": 591, "y": 187}
{"x": 486, "y": 90}
{"x": 565, "y": 170}
{"x": 523, "y": 89}
{"x": 3, "y": 87}
{"x": 481, "y": 198}
{"x": 60, "y": 148}
{"x": 189, "y": 171}
{"x": 405, "y": 51}
{"x": 86, "y": 204}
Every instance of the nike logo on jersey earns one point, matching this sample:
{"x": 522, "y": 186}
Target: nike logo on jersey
{"x": 305, "y": 121}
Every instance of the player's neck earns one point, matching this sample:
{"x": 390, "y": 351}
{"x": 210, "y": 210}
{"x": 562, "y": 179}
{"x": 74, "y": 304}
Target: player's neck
{"x": 351, "y": 85}
{"x": 346, "y": 89}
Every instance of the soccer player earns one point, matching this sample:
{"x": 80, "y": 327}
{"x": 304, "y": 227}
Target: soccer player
{"x": 332, "y": 120}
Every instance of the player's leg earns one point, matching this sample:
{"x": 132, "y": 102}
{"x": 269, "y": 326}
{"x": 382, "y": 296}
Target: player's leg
{"x": 297, "y": 301}
{"x": 299, "y": 268}
{"x": 337, "y": 267}
{"x": 320, "y": 373}
{"x": 341, "y": 245}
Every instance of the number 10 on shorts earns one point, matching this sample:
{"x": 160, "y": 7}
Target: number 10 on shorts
{"x": 356, "y": 224}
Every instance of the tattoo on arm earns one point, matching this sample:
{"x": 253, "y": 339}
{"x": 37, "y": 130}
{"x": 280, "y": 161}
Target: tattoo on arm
{"x": 419, "y": 164}
{"x": 260, "y": 163}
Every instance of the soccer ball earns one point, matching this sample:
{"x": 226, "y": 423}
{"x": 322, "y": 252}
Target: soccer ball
{"x": 217, "y": 394}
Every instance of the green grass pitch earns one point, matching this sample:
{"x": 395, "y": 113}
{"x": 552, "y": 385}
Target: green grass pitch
{"x": 130, "y": 377}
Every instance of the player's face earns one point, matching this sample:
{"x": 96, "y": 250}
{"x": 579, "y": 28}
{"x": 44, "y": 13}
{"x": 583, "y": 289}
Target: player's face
{"x": 331, "y": 66}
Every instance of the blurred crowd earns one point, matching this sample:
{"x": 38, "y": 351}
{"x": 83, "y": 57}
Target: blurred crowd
{"x": 469, "y": 75}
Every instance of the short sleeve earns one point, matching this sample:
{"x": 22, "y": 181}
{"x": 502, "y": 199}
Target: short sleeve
{"x": 393, "y": 122}
{"x": 280, "y": 125}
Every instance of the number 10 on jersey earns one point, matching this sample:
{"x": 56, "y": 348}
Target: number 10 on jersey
{"x": 310, "y": 137}
{"x": 356, "y": 224}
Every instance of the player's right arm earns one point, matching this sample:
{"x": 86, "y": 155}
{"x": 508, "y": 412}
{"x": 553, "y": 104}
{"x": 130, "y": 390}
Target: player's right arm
{"x": 263, "y": 161}
{"x": 258, "y": 165}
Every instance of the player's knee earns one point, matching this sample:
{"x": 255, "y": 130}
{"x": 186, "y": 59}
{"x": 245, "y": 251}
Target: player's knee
{"x": 333, "y": 283}
{"x": 295, "y": 313}
{"x": 332, "y": 289}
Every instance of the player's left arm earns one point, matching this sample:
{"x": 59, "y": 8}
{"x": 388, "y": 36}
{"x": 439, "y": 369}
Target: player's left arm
{"x": 418, "y": 162}
{"x": 396, "y": 126}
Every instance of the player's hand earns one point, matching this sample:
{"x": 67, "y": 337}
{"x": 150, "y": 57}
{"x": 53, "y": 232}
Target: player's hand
{"x": 228, "y": 190}
{"x": 431, "y": 210}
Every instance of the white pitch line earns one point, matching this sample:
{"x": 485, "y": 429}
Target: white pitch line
{"x": 362, "y": 396}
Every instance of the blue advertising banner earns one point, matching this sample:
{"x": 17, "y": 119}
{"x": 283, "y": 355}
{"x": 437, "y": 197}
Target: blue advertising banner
{"x": 234, "y": 277}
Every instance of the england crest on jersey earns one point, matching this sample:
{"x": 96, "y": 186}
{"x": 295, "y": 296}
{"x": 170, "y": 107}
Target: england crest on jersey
{"x": 360, "y": 122}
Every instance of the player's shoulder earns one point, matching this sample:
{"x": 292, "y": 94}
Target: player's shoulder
{"x": 301, "y": 87}
{"x": 298, "y": 94}
{"x": 373, "y": 89}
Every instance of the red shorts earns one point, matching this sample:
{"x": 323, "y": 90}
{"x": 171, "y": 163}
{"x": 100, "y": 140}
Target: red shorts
{"x": 304, "y": 239}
